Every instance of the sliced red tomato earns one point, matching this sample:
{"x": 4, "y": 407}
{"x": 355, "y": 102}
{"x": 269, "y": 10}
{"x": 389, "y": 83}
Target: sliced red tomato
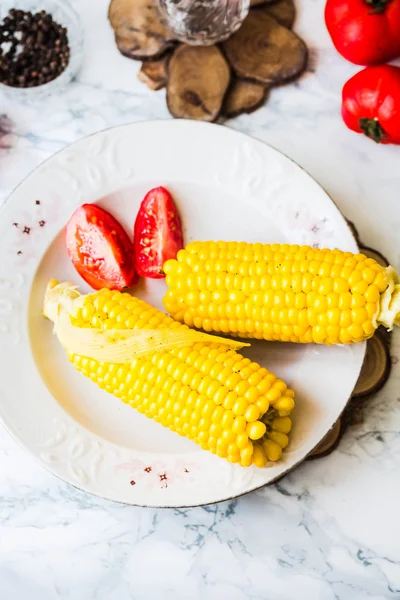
{"x": 100, "y": 249}
{"x": 157, "y": 233}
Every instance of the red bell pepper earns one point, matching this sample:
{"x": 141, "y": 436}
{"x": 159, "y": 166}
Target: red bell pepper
{"x": 365, "y": 32}
{"x": 371, "y": 103}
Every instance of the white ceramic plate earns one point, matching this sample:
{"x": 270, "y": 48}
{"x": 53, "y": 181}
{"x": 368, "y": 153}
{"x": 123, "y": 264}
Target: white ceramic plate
{"x": 227, "y": 186}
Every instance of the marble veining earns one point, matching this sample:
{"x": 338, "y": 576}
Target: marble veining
{"x": 330, "y": 529}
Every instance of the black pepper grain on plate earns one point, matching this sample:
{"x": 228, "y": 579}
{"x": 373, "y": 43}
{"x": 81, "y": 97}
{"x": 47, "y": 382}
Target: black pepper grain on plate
{"x": 33, "y": 49}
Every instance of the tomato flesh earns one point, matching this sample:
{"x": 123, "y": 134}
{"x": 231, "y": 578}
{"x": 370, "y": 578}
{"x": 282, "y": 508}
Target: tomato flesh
{"x": 100, "y": 249}
{"x": 157, "y": 233}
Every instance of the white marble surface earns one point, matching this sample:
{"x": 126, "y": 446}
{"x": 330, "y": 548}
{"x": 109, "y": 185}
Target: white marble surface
{"x": 329, "y": 530}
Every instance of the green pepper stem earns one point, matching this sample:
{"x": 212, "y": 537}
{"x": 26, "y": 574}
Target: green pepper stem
{"x": 378, "y": 6}
{"x": 372, "y": 129}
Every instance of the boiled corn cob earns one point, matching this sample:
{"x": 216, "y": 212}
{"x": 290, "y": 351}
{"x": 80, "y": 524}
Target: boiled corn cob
{"x": 199, "y": 388}
{"x": 281, "y": 292}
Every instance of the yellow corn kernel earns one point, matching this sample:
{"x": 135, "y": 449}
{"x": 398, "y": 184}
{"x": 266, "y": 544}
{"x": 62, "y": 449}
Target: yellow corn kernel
{"x": 221, "y": 448}
{"x": 368, "y": 274}
{"x": 227, "y": 420}
{"x": 282, "y": 424}
{"x": 284, "y": 403}
{"x": 340, "y": 285}
{"x": 353, "y": 278}
{"x": 345, "y": 318}
{"x": 228, "y": 436}
{"x": 356, "y": 332}
{"x": 372, "y": 309}
{"x": 259, "y": 458}
{"x": 369, "y": 329}
{"x": 345, "y": 337}
{"x": 345, "y": 300}
{"x": 204, "y": 390}
{"x": 240, "y": 406}
{"x": 239, "y": 424}
{"x": 279, "y": 437}
{"x": 246, "y": 458}
{"x": 230, "y": 400}
{"x": 272, "y": 450}
{"x": 332, "y": 300}
{"x": 242, "y": 440}
{"x": 279, "y": 292}
{"x": 333, "y": 315}
{"x": 336, "y": 271}
{"x": 321, "y": 304}
{"x": 256, "y": 430}
{"x": 262, "y": 404}
{"x": 359, "y": 315}
{"x": 319, "y": 334}
{"x": 372, "y": 293}
{"x": 252, "y": 413}
{"x": 280, "y": 385}
{"x": 360, "y": 288}
{"x": 381, "y": 281}
{"x": 358, "y": 301}
{"x": 333, "y": 333}
{"x": 273, "y": 395}
{"x": 233, "y": 450}
{"x": 212, "y": 442}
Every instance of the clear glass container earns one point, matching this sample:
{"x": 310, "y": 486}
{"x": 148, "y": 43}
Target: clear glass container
{"x": 203, "y": 22}
{"x": 65, "y": 15}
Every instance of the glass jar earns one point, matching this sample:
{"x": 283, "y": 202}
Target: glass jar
{"x": 63, "y": 13}
{"x": 203, "y": 22}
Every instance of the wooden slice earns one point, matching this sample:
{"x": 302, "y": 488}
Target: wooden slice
{"x": 260, "y": 2}
{"x": 154, "y": 73}
{"x": 264, "y": 51}
{"x": 244, "y": 97}
{"x": 380, "y": 259}
{"x": 329, "y": 443}
{"x": 138, "y": 30}
{"x": 376, "y": 368}
{"x": 198, "y": 78}
{"x": 283, "y": 11}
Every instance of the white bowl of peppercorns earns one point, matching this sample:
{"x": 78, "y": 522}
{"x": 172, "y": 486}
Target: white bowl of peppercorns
{"x": 40, "y": 48}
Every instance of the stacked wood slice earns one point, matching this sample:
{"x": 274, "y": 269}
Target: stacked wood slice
{"x": 207, "y": 82}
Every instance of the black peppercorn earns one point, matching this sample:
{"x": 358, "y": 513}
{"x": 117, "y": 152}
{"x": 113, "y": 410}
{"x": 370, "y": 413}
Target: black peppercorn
{"x": 33, "y": 49}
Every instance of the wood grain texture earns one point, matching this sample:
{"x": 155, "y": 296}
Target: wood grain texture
{"x": 244, "y": 97}
{"x": 155, "y": 73}
{"x": 198, "y": 78}
{"x": 264, "y": 51}
{"x": 138, "y": 31}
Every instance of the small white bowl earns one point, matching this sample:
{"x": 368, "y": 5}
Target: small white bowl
{"x": 65, "y": 15}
